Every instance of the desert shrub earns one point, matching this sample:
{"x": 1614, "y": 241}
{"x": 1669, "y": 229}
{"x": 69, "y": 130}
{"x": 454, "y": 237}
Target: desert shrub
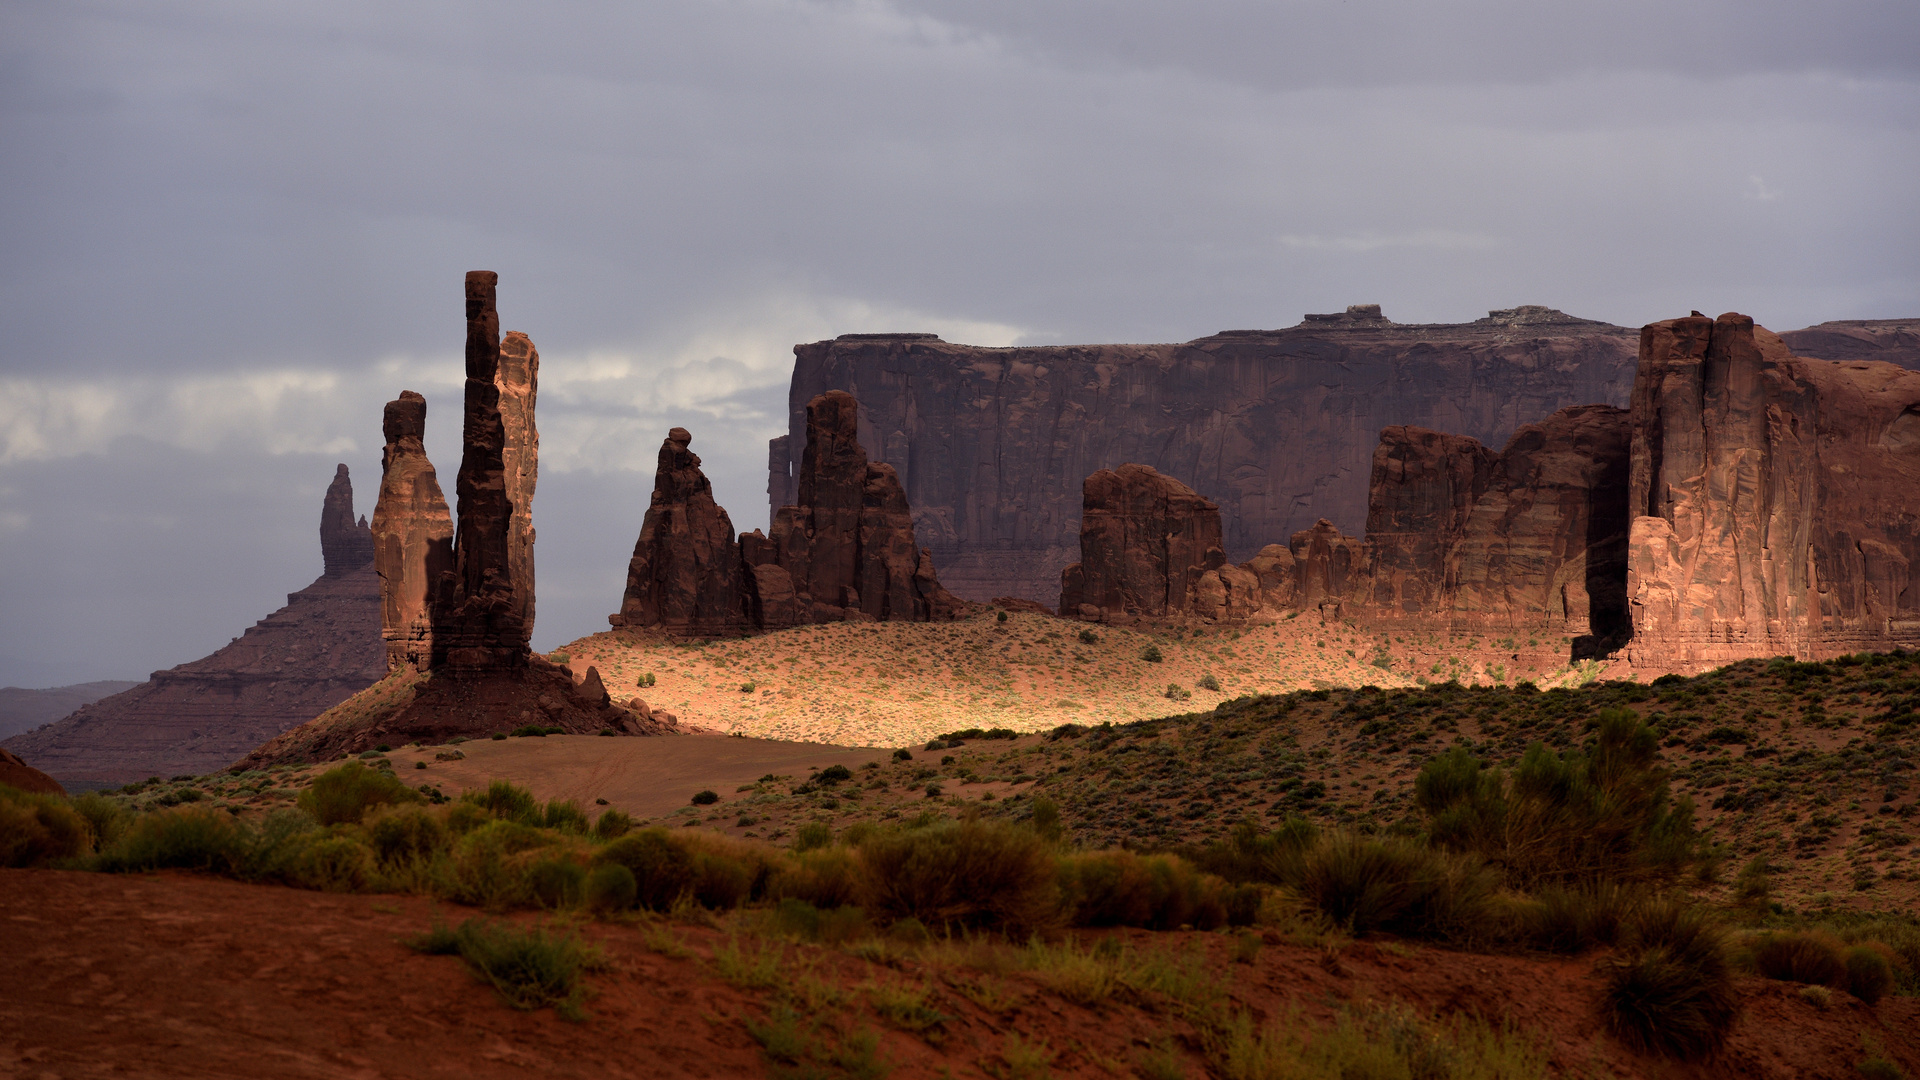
{"x": 557, "y": 883}
{"x": 903, "y": 754}
{"x": 1159, "y": 892}
{"x": 506, "y": 802}
{"x": 1391, "y": 1041}
{"x": 715, "y": 871}
{"x": 662, "y": 869}
{"x": 826, "y": 877}
{"x": 1573, "y": 919}
{"x": 566, "y": 817}
{"x": 343, "y": 794}
{"x": 1209, "y": 682}
{"x": 705, "y": 798}
{"x": 36, "y": 829}
{"x": 1792, "y": 956}
{"x": 1151, "y": 654}
{"x": 1868, "y": 973}
{"x": 182, "y": 837}
{"x": 1601, "y": 812}
{"x": 814, "y": 834}
{"x": 1369, "y": 885}
{"x": 979, "y": 873}
{"x": 1669, "y": 988}
{"x": 1088, "y": 637}
{"x": 482, "y": 869}
{"x": 1275, "y": 858}
{"x": 613, "y": 824}
{"x": 610, "y": 888}
{"x": 105, "y": 818}
{"x": 529, "y": 967}
{"x": 833, "y": 774}
{"x": 335, "y": 864}
{"x": 405, "y": 834}
{"x": 1899, "y": 939}
{"x": 829, "y": 926}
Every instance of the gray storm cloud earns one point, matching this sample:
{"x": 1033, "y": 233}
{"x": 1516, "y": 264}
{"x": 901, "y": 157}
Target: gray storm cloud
{"x": 233, "y": 231}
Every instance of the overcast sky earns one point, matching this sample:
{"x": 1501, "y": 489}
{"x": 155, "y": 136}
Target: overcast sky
{"x": 233, "y": 230}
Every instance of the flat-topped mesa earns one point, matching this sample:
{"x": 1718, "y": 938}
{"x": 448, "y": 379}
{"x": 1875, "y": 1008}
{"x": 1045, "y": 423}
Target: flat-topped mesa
{"x": 1275, "y": 426}
{"x": 412, "y": 536}
{"x": 686, "y": 573}
{"x": 1144, "y": 539}
{"x": 483, "y": 615}
{"x": 345, "y": 545}
{"x": 1772, "y": 499}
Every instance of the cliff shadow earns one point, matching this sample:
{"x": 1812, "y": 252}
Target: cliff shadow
{"x": 1609, "y": 625}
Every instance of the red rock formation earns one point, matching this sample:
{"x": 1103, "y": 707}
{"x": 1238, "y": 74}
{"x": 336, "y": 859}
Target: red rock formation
{"x": 1328, "y": 569}
{"x": 848, "y": 548}
{"x": 686, "y": 574}
{"x": 21, "y": 776}
{"x": 483, "y": 620}
{"x": 345, "y": 545}
{"x": 1773, "y": 499}
{"x": 286, "y": 669}
{"x": 1144, "y": 538}
{"x": 1276, "y": 427}
{"x": 412, "y": 535}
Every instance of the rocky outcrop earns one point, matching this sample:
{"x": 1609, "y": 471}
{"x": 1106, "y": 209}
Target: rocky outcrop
{"x": 21, "y": 776}
{"x": 289, "y": 667}
{"x": 1894, "y": 341}
{"x": 845, "y": 551}
{"x": 412, "y": 536}
{"x": 686, "y": 575}
{"x": 1772, "y": 499}
{"x": 467, "y": 610}
{"x": 345, "y": 545}
{"x": 484, "y": 619}
{"x": 1144, "y": 539}
{"x": 23, "y": 710}
{"x": 1277, "y": 427}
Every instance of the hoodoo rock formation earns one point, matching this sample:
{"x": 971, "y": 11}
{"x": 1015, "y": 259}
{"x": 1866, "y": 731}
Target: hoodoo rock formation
{"x": 1275, "y": 426}
{"x": 845, "y": 552}
{"x": 286, "y": 669}
{"x": 467, "y": 609}
{"x": 1773, "y": 499}
{"x": 412, "y": 536}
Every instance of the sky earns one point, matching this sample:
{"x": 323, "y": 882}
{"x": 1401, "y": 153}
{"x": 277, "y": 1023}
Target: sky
{"x": 234, "y": 230}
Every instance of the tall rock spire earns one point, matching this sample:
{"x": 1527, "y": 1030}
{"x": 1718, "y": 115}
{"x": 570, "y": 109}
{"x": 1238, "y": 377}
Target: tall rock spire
{"x": 412, "y": 536}
{"x": 344, "y": 544}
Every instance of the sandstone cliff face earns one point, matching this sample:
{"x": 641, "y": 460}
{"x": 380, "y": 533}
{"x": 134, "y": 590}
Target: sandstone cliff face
{"x": 1276, "y": 427}
{"x": 345, "y": 545}
{"x": 845, "y": 551}
{"x": 289, "y": 667}
{"x": 412, "y": 536}
{"x": 483, "y": 621}
{"x": 1144, "y": 539}
{"x": 1772, "y": 498}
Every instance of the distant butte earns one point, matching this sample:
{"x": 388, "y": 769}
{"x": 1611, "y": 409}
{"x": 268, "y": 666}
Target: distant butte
{"x": 286, "y": 669}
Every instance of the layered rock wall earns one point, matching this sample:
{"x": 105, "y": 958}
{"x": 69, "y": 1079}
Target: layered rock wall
{"x": 1773, "y": 498}
{"x": 1144, "y": 539}
{"x": 1276, "y": 427}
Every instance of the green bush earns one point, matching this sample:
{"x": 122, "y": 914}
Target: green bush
{"x": 36, "y": 829}
{"x": 1598, "y": 813}
{"x": 566, "y": 817}
{"x": 826, "y": 877}
{"x": 1369, "y": 885}
{"x": 483, "y": 868}
{"x": 1868, "y": 973}
{"x": 342, "y": 795}
{"x": 1792, "y": 956}
{"x": 506, "y": 802}
{"x": 610, "y": 888}
{"x": 406, "y": 834}
{"x": 705, "y": 798}
{"x": 105, "y": 818}
{"x": 663, "y": 867}
{"x": 529, "y": 967}
{"x": 1572, "y": 920}
{"x": 1669, "y": 989}
{"x": 1151, "y": 654}
{"x": 1158, "y": 892}
{"x": 181, "y": 837}
{"x": 814, "y": 834}
{"x": 557, "y": 883}
{"x": 613, "y": 824}
{"x": 987, "y": 874}
{"x": 335, "y": 864}
{"x": 833, "y": 774}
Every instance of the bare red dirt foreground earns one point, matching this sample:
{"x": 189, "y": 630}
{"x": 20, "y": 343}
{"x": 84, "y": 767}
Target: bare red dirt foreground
{"x": 189, "y": 975}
